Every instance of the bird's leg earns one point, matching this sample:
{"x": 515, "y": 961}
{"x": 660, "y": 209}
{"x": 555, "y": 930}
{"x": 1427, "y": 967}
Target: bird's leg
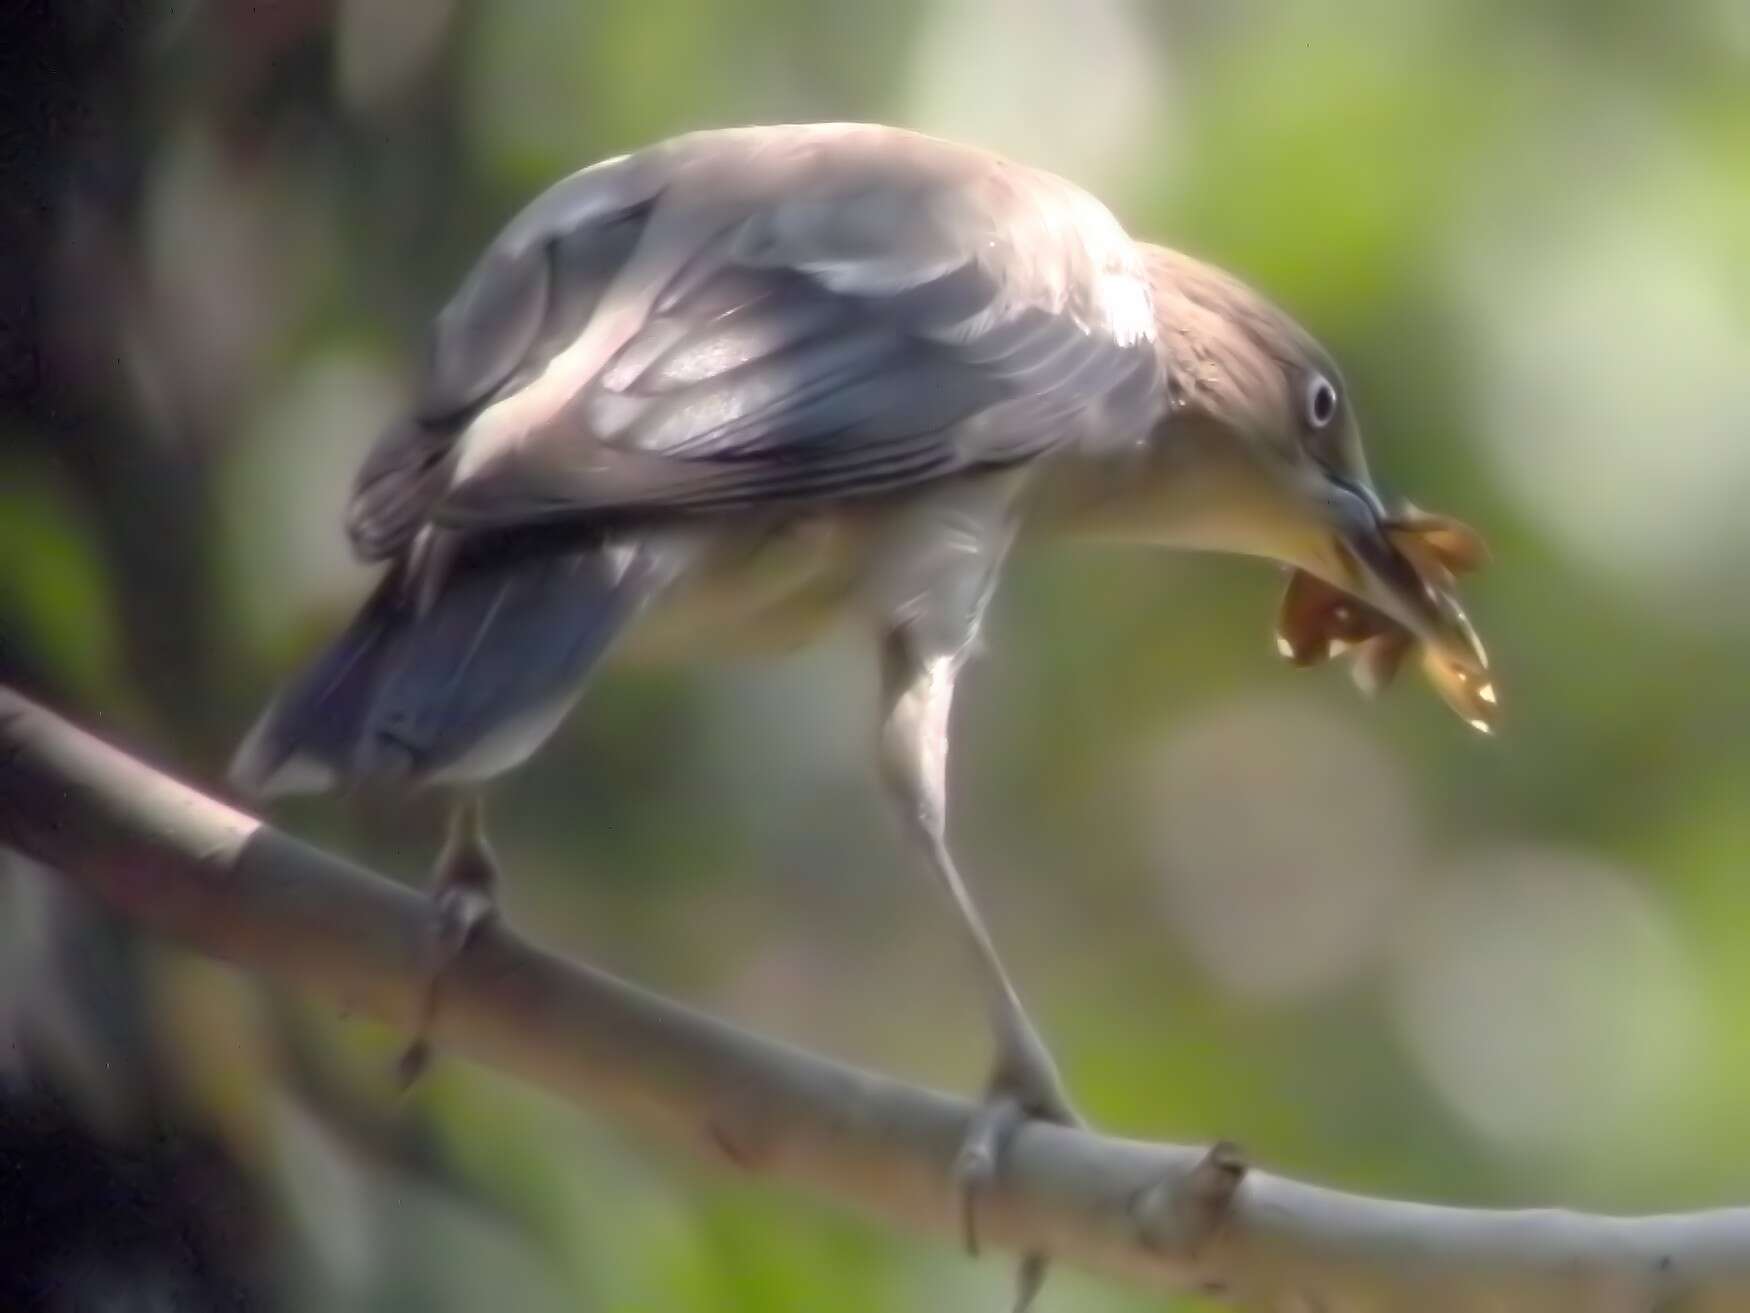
{"x": 918, "y": 689}
{"x": 463, "y": 897}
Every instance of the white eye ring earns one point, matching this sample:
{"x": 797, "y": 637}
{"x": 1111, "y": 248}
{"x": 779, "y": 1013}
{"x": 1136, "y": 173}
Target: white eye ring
{"x": 1321, "y": 401}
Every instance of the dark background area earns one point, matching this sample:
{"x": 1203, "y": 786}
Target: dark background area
{"x": 1241, "y": 901}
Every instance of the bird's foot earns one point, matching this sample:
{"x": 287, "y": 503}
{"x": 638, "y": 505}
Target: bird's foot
{"x": 461, "y": 902}
{"x": 1024, "y": 1086}
{"x": 457, "y": 914}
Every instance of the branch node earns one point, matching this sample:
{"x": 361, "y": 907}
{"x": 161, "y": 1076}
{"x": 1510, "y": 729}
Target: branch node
{"x": 1182, "y": 1215}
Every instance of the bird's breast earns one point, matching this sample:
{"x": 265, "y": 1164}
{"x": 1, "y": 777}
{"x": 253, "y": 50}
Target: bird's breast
{"x": 756, "y": 588}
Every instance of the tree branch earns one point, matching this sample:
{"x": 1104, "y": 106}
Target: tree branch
{"x": 226, "y": 885}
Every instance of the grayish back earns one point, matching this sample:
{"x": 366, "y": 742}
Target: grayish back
{"x": 762, "y": 317}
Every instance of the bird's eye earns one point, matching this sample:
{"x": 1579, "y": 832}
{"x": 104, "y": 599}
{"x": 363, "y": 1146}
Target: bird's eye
{"x": 1321, "y": 401}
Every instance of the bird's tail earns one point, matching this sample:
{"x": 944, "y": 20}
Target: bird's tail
{"x": 459, "y": 685}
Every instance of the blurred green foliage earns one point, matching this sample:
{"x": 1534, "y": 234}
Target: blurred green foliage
{"x": 1243, "y": 903}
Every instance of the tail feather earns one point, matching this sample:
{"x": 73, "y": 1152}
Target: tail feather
{"x": 463, "y": 686}
{"x": 303, "y": 742}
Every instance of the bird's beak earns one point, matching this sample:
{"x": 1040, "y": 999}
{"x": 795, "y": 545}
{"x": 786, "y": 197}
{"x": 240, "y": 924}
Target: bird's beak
{"x": 1387, "y": 584}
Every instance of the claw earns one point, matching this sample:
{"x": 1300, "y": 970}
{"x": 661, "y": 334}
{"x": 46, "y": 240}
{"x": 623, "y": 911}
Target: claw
{"x": 993, "y": 1126}
{"x": 461, "y": 904}
{"x": 1029, "y": 1279}
{"x": 1025, "y": 1087}
{"x": 412, "y": 1063}
{"x": 458, "y": 914}
{"x": 976, "y": 1166}
{"x": 461, "y": 911}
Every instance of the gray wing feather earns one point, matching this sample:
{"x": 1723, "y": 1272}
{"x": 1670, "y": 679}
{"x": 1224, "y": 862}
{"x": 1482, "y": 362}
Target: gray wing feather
{"x": 485, "y": 332}
{"x": 538, "y": 281}
{"x": 533, "y": 289}
{"x": 777, "y": 315}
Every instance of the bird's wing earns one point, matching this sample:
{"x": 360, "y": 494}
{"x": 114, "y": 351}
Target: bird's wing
{"x": 782, "y": 316}
{"x": 536, "y": 285}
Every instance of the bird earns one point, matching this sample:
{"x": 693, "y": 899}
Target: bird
{"x": 757, "y": 380}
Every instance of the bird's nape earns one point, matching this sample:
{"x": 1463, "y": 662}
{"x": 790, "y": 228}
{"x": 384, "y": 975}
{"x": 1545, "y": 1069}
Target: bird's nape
{"x": 1260, "y": 425}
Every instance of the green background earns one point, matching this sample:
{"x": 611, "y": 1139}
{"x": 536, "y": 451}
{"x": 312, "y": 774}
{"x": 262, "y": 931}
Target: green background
{"x": 1381, "y": 952}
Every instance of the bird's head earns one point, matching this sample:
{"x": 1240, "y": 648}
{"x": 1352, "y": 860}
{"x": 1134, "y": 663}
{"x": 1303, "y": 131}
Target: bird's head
{"x": 1258, "y": 451}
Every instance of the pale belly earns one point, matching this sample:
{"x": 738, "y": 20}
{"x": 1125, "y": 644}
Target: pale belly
{"x": 760, "y": 591}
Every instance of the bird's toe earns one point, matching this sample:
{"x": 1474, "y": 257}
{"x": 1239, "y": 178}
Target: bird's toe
{"x": 1024, "y": 1088}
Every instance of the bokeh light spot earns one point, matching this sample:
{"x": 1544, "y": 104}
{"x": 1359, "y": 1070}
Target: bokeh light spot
{"x": 1284, "y": 836}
